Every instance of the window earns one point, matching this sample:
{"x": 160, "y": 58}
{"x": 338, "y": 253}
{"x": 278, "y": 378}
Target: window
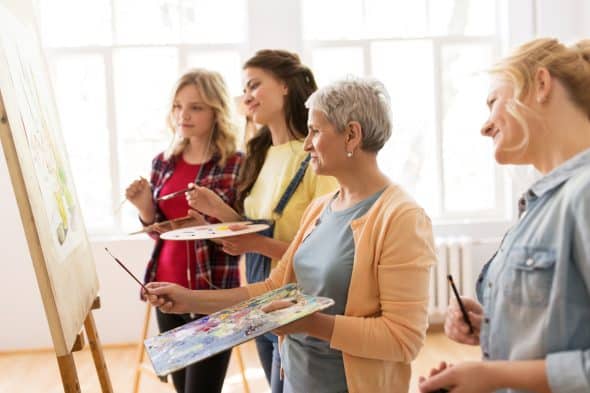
{"x": 114, "y": 63}
{"x": 432, "y": 56}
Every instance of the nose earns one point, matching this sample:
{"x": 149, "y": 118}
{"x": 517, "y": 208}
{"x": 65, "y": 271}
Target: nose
{"x": 184, "y": 114}
{"x": 247, "y": 97}
{"x": 307, "y": 143}
{"x": 487, "y": 128}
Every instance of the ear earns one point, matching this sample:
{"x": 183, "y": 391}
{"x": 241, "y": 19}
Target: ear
{"x": 353, "y": 136}
{"x": 285, "y": 89}
{"x": 543, "y": 85}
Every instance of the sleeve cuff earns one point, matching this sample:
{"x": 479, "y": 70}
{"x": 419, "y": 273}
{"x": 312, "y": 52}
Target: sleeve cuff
{"x": 339, "y": 336}
{"x": 566, "y": 372}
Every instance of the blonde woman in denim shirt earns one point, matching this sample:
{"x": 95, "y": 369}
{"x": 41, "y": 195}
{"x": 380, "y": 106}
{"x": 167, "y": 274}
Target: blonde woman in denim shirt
{"x": 532, "y": 320}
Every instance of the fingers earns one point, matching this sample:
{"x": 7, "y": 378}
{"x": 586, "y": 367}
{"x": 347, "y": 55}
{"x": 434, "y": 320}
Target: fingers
{"x": 442, "y": 380}
{"x": 455, "y": 325}
{"x": 237, "y": 227}
{"x": 434, "y": 371}
{"x": 278, "y": 305}
{"x": 136, "y": 188}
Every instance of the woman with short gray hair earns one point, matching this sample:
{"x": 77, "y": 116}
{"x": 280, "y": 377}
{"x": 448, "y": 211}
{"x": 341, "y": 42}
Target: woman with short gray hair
{"x": 368, "y": 246}
{"x": 363, "y": 100}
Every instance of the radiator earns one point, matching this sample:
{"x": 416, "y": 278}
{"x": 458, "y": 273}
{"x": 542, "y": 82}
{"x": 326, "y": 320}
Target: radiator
{"x": 455, "y": 256}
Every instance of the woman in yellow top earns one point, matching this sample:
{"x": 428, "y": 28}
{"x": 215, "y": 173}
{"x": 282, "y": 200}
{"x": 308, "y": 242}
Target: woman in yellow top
{"x": 276, "y": 183}
{"x": 369, "y": 246}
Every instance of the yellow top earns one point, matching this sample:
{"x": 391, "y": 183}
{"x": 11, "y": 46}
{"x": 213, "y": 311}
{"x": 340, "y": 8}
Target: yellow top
{"x": 280, "y": 165}
{"x": 386, "y": 315}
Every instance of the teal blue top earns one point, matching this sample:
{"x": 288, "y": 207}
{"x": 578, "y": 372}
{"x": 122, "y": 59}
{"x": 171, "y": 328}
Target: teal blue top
{"x": 323, "y": 266}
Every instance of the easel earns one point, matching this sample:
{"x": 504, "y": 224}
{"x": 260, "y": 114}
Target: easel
{"x": 42, "y": 183}
{"x": 67, "y": 367}
{"x": 66, "y": 364}
{"x": 142, "y": 367}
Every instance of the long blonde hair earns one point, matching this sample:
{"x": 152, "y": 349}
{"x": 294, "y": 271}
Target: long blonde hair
{"x": 214, "y": 93}
{"x": 569, "y": 64}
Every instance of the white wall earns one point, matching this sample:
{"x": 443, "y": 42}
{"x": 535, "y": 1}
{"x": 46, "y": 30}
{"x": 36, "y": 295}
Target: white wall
{"x": 121, "y": 316}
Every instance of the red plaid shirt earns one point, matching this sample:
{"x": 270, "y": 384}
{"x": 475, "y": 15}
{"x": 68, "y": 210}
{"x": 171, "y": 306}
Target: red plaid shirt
{"x": 208, "y": 263}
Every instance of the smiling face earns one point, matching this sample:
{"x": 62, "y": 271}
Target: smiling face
{"x": 264, "y": 95}
{"x": 511, "y": 140}
{"x": 326, "y": 146}
{"x": 191, "y": 116}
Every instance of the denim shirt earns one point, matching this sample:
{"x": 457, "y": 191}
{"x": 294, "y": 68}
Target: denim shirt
{"x": 536, "y": 289}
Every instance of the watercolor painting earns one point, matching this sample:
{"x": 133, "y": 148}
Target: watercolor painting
{"x": 205, "y": 337}
{"x": 38, "y": 121}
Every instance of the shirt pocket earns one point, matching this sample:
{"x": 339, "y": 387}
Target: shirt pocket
{"x": 529, "y": 275}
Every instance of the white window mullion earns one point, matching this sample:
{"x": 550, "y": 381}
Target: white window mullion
{"x": 438, "y": 126}
{"x": 116, "y": 191}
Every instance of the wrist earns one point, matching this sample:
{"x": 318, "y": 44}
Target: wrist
{"x": 493, "y": 375}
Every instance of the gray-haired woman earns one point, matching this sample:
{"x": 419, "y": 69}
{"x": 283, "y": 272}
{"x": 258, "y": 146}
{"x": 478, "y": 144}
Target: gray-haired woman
{"x": 368, "y": 246}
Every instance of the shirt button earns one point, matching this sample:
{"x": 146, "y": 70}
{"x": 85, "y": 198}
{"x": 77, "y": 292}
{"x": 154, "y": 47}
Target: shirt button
{"x": 487, "y": 320}
{"x": 489, "y": 285}
{"x": 486, "y": 355}
{"x": 530, "y": 262}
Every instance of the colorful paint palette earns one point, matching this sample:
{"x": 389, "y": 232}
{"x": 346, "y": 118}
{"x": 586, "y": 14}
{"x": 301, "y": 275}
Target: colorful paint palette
{"x": 205, "y": 337}
{"x": 212, "y": 231}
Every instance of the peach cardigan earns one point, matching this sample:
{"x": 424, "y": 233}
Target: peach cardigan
{"x": 385, "y": 321}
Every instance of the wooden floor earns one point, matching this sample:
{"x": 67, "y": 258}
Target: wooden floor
{"x": 37, "y": 371}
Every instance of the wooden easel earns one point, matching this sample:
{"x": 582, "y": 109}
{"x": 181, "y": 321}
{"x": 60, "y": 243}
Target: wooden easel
{"x": 42, "y": 183}
{"x": 142, "y": 367}
{"x": 67, "y": 367}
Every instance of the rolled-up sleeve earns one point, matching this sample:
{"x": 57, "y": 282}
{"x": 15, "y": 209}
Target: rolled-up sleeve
{"x": 569, "y": 372}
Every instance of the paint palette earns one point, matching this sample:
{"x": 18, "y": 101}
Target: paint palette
{"x": 212, "y": 231}
{"x": 205, "y": 337}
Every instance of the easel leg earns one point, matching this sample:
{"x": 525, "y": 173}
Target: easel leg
{"x": 238, "y": 353}
{"x": 97, "y": 354}
{"x": 69, "y": 377}
{"x": 140, "y": 348}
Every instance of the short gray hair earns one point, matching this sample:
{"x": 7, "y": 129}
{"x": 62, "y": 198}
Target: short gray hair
{"x": 364, "y": 100}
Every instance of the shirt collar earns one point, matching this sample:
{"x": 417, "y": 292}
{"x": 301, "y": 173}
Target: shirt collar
{"x": 559, "y": 175}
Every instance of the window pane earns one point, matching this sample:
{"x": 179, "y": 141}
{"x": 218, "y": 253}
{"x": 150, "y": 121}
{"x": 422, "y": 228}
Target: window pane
{"x": 409, "y": 157}
{"x": 330, "y": 64}
{"x": 462, "y": 17}
{"x": 332, "y": 19}
{"x": 395, "y": 18}
{"x": 89, "y": 22}
{"x": 210, "y": 22}
{"x": 144, "y": 79}
{"x": 81, "y": 99}
{"x": 467, "y": 157}
{"x": 146, "y": 21}
{"x": 227, "y": 63}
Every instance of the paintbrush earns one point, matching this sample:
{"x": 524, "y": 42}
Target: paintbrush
{"x": 173, "y": 194}
{"x": 176, "y": 223}
{"x": 128, "y": 271}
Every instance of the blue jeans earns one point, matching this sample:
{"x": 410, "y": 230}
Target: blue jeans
{"x": 258, "y": 269}
{"x": 268, "y": 352}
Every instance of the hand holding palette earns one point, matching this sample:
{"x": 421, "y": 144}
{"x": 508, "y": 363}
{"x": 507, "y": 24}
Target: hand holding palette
{"x": 205, "y": 337}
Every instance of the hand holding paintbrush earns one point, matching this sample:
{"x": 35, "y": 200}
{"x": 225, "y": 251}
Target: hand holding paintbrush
{"x": 139, "y": 193}
{"x": 464, "y": 318}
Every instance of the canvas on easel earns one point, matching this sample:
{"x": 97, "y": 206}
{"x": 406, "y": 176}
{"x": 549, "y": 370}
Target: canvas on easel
{"x": 43, "y": 186}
